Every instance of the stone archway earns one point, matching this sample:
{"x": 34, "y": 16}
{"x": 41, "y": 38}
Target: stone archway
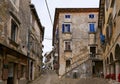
{"x": 107, "y": 66}
{"x": 117, "y": 58}
{"x": 111, "y": 58}
{"x": 112, "y": 67}
{"x": 117, "y": 52}
{"x": 107, "y": 61}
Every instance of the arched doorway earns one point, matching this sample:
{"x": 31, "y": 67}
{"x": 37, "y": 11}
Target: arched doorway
{"x": 112, "y": 67}
{"x": 107, "y": 66}
{"x": 117, "y": 58}
{"x": 111, "y": 58}
{"x": 117, "y": 52}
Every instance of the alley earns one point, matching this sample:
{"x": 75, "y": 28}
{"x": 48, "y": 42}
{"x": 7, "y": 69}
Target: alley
{"x": 50, "y": 77}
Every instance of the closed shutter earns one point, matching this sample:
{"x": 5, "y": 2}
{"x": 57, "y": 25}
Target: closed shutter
{"x": 92, "y": 29}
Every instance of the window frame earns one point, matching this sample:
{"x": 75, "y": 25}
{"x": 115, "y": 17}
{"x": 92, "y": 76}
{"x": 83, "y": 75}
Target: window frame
{"x": 14, "y": 38}
{"x": 91, "y": 16}
{"x": 93, "y": 51}
{"x": 67, "y": 45}
{"x": 65, "y": 28}
{"x": 92, "y": 30}
{"x": 67, "y": 16}
{"x": 68, "y": 63}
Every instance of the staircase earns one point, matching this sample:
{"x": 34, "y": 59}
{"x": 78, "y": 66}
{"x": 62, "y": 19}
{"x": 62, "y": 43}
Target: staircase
{"x": 81, "y": 58}
{"x": 82, "y": 81}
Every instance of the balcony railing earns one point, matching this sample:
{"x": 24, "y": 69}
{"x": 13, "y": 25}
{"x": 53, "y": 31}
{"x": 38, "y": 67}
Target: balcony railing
{"x": 95, "y": 57}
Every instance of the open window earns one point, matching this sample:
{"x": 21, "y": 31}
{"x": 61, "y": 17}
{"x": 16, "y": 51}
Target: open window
{"x": 14, "y": 29}
{"x": 67, "y": 45}
{"x": 66, "y": 28}
{"x": 68, "y": 62}
{"x": 92, "y": 51}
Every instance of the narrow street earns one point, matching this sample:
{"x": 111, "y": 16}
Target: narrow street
{"x": 50, "y": 77}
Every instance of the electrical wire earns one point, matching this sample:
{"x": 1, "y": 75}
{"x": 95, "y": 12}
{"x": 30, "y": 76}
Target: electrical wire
{"x": 49, "y": 12}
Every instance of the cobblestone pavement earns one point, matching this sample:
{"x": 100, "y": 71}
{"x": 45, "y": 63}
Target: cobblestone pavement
{"x": 47, "y": 78}
{"x": 50, "y": 77}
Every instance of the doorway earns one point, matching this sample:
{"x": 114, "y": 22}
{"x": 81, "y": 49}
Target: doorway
{"x": 10, "y": 79}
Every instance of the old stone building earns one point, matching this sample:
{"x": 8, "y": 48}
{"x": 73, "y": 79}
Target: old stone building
{"x": 109, "y": 18}
{"x": 74, "y": 40}
{"x": 36, "y": 34}
{"x": 14, "y": 52}
{"x": 49, "y": 60}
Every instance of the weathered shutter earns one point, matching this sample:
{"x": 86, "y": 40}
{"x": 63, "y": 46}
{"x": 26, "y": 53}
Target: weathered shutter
{"x": 92, "y": 29}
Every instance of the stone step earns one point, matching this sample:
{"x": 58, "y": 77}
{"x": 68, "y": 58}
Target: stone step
{"x": 82, "y": 81}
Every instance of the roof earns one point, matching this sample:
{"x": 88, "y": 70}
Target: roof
{"x": 70, "y": 10}
{"x": 32, "y": 7}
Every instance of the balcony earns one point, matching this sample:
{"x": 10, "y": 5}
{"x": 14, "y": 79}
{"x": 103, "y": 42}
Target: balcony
{"x": 95, "y": 57}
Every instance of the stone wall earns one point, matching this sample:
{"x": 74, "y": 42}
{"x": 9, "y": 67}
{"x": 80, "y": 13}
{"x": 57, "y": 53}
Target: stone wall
{"x": 79, "y": 37}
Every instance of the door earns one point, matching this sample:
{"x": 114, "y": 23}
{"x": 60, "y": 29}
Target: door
{"x": 10, "y": 79}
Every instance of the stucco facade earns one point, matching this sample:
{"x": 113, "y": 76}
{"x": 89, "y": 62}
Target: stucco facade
{"x": 109, "y": 20}
{"x": 73, "y": 44}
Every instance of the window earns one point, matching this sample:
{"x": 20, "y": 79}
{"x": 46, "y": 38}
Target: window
{"x": 68, "y": 63}
{"x": 91, "y": 16}
{"x": 92, "y": 51}
{"x": 109, "y": 30}
{"x": 67, "y": 16}
{"x": 14, "y": 28}
{"x": 66, "y": 28}
{"x": 91, "y": 27}
{"x": 67, "y": 45}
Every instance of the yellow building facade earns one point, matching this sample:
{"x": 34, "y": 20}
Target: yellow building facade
{"x": 109, "y": 19}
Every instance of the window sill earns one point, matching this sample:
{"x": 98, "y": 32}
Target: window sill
{"x": 13, "y": 43}
{"x": 66, "y": 32}
{"x": 67, "y": 50}
{"x": 92, "y": 32}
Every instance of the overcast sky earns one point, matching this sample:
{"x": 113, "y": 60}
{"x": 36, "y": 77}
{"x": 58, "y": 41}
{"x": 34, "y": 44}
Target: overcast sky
{"x": 52, "y": 4}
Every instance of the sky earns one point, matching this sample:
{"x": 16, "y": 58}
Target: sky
{"x": 43, "y": 14}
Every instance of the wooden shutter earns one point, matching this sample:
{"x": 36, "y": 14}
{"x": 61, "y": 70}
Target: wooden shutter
{"x": 92, "y": 29}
